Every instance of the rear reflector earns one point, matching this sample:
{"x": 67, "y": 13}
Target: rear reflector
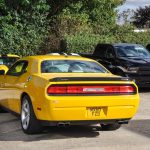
{"x": 91, "y": 89}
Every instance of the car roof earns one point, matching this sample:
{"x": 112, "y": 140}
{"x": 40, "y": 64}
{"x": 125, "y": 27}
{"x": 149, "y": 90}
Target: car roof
{"x": 8, "y": 55}
{"x": 56, "y": 57}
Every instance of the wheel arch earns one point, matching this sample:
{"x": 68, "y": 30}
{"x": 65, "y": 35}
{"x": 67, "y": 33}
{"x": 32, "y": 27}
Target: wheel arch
{"x": 30, "y": 98}
{"x": 24, "y": 94}
{"x": 34, "y": 125}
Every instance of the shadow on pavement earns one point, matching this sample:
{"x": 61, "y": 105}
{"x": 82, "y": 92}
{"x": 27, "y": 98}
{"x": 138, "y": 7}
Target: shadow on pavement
{"x": 141, "y": 127}
{"x": 10, "y": 130}
{"x": 144, "y": 90}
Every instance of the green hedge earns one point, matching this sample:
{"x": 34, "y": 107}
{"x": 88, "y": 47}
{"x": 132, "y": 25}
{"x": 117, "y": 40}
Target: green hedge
{"x": 85, "y": 43}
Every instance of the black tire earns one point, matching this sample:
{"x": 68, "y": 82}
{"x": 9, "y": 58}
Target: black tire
{"x": 34, "y": 125}
{"x": 110, "y": 127}
{"x": 2, "y": 110}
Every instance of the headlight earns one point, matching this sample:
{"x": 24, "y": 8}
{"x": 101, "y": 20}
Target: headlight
{"x": 133, "y": 69}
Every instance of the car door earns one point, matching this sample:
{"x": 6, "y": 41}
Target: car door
{"x": 2, "y": 93}
{"x": 13, "y": 83}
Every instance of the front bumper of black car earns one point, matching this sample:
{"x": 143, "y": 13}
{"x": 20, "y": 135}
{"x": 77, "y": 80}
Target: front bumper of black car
{"x": 140, "y": 79}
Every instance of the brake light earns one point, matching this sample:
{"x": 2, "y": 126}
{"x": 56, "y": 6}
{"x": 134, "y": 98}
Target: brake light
{"x": 91, "y": 89}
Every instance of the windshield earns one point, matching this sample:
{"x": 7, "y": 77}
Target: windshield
{"x": 132, "y": 51}
{"x": 8, "y": 61}
{"x": 71, "y": 66}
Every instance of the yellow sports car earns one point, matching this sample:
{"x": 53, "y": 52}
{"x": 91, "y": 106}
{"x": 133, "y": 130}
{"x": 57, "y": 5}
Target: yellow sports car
{"x": 66, "y": 90}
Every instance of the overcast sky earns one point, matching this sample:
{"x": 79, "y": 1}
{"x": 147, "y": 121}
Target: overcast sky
{"x": 134, "y": 4}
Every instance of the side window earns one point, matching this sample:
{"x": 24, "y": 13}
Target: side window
{"x": 100, "y": 51}
{"x": 110, "y": 53}
{"x": 18, "y": 68}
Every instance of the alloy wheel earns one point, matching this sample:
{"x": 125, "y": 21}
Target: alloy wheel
{"x": 25, "y": 114}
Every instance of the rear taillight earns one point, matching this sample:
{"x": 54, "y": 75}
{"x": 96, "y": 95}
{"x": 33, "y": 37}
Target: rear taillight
{"x": 91, "y": 89}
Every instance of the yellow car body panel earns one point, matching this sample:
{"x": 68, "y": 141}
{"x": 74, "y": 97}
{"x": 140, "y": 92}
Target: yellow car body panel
{"x": 64, "y": 108}
{"x": 4, "y": 67}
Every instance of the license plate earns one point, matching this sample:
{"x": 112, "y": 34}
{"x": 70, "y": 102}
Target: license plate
{"x": 93, "y": 111}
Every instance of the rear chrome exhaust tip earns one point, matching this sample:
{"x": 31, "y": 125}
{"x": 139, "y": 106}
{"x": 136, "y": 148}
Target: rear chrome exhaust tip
{"x": 63, "y": 124}
{"x": 123, "y": 122}
{"x": 67, "y": 125}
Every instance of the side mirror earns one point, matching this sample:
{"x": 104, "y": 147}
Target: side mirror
{"x": 2, "y": 72}
{"x": 111, "y": 66}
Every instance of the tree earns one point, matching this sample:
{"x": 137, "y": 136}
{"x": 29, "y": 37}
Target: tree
{"x": 23, "y": 26}
{"x": 100, "y": 14}
{"x": 125, "y": 17}
{"x": 80, "y": 20}
{"x": 142, "y": 17}
{"x": 39, "y": 26}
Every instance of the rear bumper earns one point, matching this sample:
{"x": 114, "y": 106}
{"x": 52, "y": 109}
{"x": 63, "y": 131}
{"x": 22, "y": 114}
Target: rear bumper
{"x": 84, "y": 113}
{"x": 87, "y": 122}
{"x": 61, "y": 108}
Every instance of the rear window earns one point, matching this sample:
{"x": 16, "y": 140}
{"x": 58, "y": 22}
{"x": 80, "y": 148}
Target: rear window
{"x": 71, "y": 66}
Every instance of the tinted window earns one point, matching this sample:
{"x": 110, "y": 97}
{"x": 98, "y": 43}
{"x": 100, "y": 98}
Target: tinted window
{"x": 8, "y": 61}
{"x": 100, "y": 51}
{"x": 110, "y": 53}
{"x": 18, "y": 68}
{"x": 62, "y": 66}
{"x": 132, "y": 51}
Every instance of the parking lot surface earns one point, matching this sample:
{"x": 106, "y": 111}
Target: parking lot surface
{"x": 134, "y": 136}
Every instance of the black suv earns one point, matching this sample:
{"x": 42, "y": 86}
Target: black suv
{"x": 124, "y": 59}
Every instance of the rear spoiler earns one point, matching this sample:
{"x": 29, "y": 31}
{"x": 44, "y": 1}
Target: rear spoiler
{"x": 62, "y": 79}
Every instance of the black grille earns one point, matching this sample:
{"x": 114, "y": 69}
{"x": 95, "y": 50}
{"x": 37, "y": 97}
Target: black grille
{"x": 144, "y": 71}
